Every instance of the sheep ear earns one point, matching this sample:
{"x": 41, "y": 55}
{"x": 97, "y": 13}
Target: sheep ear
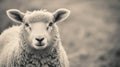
{"x": 61, "y": 14}
{"x": 15, "y": 15}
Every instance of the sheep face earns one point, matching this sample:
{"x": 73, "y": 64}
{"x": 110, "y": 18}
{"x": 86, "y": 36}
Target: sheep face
{"x": 39, "y": 36}
{"x": 39, "y": 25}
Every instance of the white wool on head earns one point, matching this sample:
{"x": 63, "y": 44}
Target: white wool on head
{"x": 37, "y": 16}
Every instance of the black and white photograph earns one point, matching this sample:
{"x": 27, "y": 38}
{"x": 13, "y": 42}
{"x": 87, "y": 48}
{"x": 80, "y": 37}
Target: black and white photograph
{"x": 59, "y": 33}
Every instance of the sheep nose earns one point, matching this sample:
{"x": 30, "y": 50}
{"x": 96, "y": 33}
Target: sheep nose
{"x": 40, "y": 39}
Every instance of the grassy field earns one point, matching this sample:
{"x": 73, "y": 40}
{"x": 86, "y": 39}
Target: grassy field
{"x": 90, "y": 35}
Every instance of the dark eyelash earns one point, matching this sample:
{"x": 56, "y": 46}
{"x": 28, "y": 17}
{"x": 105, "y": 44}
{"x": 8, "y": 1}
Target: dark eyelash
{"x": 47, "y": 28}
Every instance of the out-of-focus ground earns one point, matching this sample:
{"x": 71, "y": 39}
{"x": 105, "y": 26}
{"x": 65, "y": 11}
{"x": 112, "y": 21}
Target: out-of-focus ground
{"x": 90, "y": 35}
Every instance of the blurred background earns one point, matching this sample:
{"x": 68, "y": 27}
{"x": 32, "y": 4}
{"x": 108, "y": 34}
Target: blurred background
{"x": 90, "y": 35}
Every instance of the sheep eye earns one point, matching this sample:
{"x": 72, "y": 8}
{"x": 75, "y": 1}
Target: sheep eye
{"x": 27, "y": 24}
{"x": 50, "y": 24}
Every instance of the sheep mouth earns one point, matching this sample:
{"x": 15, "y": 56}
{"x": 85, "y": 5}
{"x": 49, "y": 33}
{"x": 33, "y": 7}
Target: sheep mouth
{"x": 40, "y": 44}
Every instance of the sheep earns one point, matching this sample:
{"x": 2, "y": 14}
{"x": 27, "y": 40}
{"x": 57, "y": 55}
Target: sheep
{"x": 35, "y": 41}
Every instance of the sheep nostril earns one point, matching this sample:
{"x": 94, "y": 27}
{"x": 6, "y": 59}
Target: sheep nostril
{"x": 40, "y": 39}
